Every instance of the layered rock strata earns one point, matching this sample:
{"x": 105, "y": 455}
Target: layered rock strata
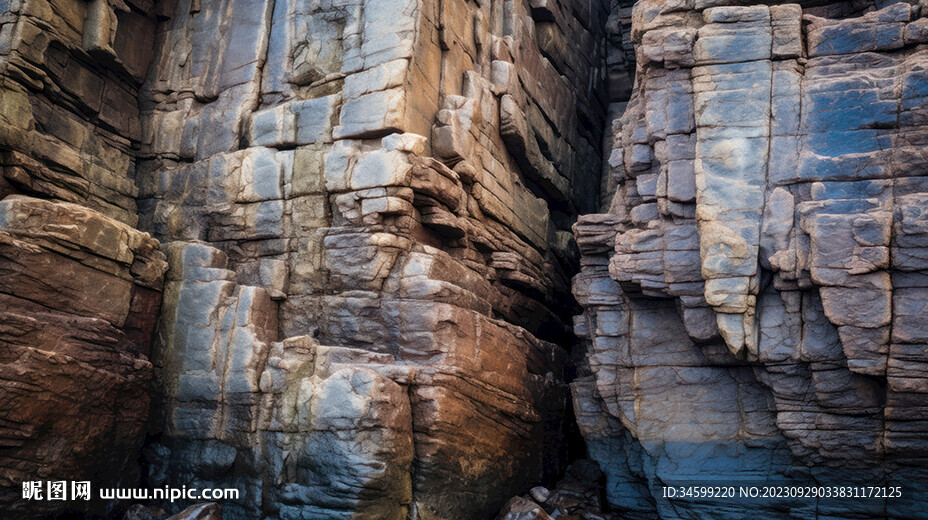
{"x": 365, "y": 210}
{"x": 366, "y": 206}
{"x": 393, "y": 179}
{"x": 79, "y": 285}
{"x": 751, "y": 291}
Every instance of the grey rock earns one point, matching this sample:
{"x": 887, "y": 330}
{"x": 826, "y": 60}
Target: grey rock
{"x": 786, "y": 275}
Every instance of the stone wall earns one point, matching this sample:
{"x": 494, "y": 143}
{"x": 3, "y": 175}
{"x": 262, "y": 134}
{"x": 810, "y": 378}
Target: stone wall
{"x": 753, "y": 292}
{"x": 366, "y": 206}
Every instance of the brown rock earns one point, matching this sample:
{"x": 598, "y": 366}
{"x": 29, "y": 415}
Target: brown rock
{"x": 80, "y": 294}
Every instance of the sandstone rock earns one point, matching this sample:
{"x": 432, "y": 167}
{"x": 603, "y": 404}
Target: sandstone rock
{"x": 540, "y": 493}
{"x": 366, "y": 207}
{"x": 232, "y": 392}
{"x": 79, "y": 298}
{"x": 519, "y": 508}
{"x": 397, "y": 181}
{"x": 577, "y": 495}
{"x": 81, "y": 286}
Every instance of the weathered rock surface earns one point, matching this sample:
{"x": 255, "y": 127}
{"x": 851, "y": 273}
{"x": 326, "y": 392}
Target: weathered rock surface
{"x": 366, "y": 206}
{"x": 199, "y": 512}
{"x": 751, "y": 290}
{"x": 364, "y": 210}
{"x": 80, "y": 287}
{"x": 140, "y": 512}
{"x": 207, "y": 511}
{"x": 307, "y": 430}
{"x": 79, "y": 295}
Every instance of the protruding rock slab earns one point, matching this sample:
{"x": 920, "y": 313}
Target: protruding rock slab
{"x": 79, "y": 297}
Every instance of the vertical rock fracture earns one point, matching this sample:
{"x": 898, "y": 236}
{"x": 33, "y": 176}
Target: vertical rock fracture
{"x": 754, "y": 290}
{"x": 327, "y": 254}
{"x": 364, "y": 211}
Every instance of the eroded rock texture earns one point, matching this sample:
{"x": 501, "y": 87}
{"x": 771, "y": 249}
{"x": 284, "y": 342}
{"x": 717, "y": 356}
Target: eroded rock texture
{"x": 364, "y": 210}
{"x": 754, "y": 291}
{"x": 79, "y": 285}
{"x": 366, "y": 206}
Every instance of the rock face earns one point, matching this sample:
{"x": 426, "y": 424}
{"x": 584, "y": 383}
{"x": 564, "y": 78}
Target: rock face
{"x": 80, "y": 287}
{"x": 367, "y": 218}
{"x": 365, "y": 206}
{"x": 366, "y": 209}
{"x": 79, "y": 294}
{"x": 754, "y": 291}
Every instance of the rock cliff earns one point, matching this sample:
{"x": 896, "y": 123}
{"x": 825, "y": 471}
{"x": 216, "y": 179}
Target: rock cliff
{"x": 364, "y": 207}
{"x": 390, "y": 259}
{"x": 80, "y": 286}
{"x": 754, "y": 291}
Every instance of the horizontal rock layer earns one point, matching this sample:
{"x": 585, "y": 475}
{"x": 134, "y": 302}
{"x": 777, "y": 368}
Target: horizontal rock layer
{"x": 80, "y": 286}
{"x": 753, "y": 291}
{"x": 366, "y": 206}
{"x": 366, "y": 210}
{"x": 79, "y": 294}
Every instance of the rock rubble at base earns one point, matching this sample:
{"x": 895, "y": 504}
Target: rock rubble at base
{"x": 578, "y": 496}
{"x": 207, "y": 511}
